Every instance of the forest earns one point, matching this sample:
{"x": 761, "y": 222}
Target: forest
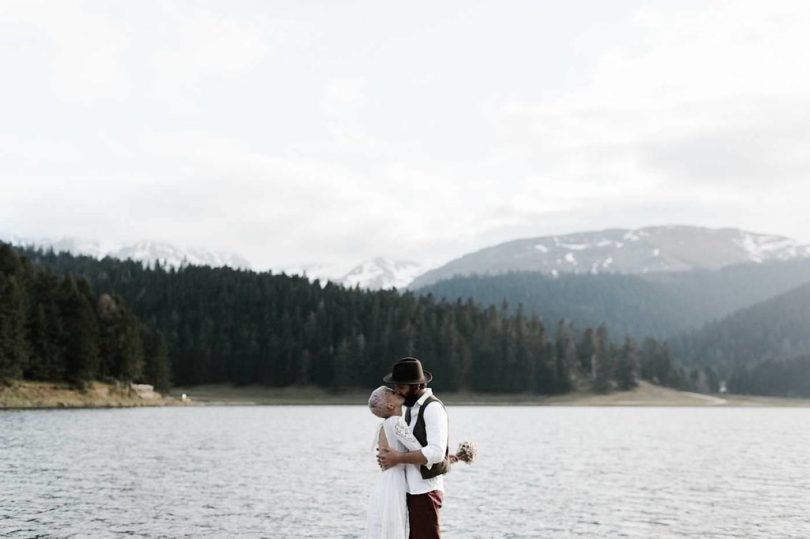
{"x": 746, "y": 325}
{"x": 776, "y": 378}
{"x": 760, "y": 350}
{"x": 227, "y": 326}
{"x": 773, "y": 330}
{"x": 53, "y": 327}
{"x": 661, "y": 305}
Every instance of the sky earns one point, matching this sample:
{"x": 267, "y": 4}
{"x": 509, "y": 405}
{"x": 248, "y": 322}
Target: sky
{"x": 323, "y": 132}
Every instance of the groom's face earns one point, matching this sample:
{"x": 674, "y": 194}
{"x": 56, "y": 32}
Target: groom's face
{"x": 409, "y": 392}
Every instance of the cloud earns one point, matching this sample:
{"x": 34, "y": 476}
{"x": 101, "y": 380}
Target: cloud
{"x": 762, "y": 145}
{"x": 69, "y": 50}
{"x": 92, "y": 50}
{"x": 702, "y": 101}
{"x": 279, "y": 133}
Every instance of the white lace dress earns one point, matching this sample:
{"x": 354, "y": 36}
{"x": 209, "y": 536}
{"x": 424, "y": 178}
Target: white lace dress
{"x": 387, "y": 505}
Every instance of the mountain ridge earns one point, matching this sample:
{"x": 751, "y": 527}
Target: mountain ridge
{"x": 775, "y": 329}
{"x": 645, "y": 250}
{"x": 378, "y": 273}
{"x": 661, "y": 305}
{"x": 145, "y": 251}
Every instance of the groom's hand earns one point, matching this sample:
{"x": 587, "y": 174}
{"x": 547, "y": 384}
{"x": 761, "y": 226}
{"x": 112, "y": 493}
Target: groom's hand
{"x": 387, "y": 457}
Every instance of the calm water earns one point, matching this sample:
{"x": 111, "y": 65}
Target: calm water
{"x": 305, "y": 472}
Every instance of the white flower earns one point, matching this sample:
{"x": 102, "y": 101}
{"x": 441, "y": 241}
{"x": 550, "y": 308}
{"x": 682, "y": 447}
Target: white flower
{"x": 467, "y": 452}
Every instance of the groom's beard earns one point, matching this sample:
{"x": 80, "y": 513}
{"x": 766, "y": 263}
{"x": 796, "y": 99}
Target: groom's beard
{"x": 410, "y": 400}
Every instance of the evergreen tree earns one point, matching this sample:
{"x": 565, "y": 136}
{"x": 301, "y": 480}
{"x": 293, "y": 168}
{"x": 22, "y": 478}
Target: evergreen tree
{"x": 81, "y": 337}
{"x": 156, "y": 360}
{"x": 565, "y": 357}
{"x": 627, "y": 365}
{"x": 13, "y": 339}
{"x": 46, "y": 330}
{"x": 602, "y": 361}
{"x": 340, "y": 368}
{"x": 658, "y": 366}
{"x": 585, "y": 354}
{"x": 122, "y": 355}
{"x": 712, "y": 380}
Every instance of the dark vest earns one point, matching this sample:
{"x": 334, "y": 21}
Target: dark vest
{"x": 420, "y": 433}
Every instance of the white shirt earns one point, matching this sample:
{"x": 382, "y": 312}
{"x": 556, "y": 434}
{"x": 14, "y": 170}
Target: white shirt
{"x": 436, "y": 431}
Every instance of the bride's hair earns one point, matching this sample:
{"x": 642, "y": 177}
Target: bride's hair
{"x": 378, "y": 400}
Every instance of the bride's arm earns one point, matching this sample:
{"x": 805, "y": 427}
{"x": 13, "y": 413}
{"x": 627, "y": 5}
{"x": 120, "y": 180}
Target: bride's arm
{"x": 404, "y": 434}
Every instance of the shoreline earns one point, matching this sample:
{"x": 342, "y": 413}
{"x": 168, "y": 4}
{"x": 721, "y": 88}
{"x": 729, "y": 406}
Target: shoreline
{"x": 29, "y": 395}
{"x": 646, "y": 395}
{"x": 35, "y": 395}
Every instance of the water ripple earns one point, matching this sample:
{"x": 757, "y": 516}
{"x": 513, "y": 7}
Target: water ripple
{"x": 305, "y": 472}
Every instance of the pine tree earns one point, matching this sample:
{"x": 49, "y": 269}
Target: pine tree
{"x": 46, "y": 330}
{"x": 157, "y": 370}
{"x": 524, "y": 365}
{"x": 81, "y": 332}
{"x": 658, "y": 366}
{"x": 14, "y": 349}
{"x": 565, "y": 357}
{"x": 585, "y": 354}
{"x": 122, "y": 345}
{"x": 340, "y": 368}
{"x": 602, "y": 361}
{"x": 627, "y": 365}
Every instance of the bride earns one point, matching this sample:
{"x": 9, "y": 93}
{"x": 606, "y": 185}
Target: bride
{"x": 387, "y": 506}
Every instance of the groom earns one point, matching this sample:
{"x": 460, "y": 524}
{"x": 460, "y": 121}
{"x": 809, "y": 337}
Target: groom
{"x": 425, "y": 468}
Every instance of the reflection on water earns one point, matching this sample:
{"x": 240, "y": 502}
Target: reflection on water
{"x": 305, "y": 472}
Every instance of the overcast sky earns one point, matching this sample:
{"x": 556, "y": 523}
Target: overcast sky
{"x": 296, "y": 132}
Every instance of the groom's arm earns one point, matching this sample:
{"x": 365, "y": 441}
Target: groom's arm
{"x": 392, "y": 457}
{"x": 432, "y": 453}
{"x": 436, "y": 432}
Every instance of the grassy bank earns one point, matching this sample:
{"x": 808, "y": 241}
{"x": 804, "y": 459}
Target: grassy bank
{"x": 645, "y": 395}
{"x": 25, "y": 394}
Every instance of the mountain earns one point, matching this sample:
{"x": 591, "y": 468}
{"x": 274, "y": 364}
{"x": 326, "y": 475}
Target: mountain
{"x": 629, "y": 304}
{"x": 147, "y": 252}
{"x": 379, "y": 273}
{"x": 640, "y": 251}
{"x": 383, "y": 273}
{"x": 171, "y": 255}
{"x": 772, "y": 330}
{"x": 655, "y": 304}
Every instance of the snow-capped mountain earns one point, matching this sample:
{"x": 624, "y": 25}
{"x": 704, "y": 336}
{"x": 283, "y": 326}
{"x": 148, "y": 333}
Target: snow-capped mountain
{"x": 147, "y": 252}
{"x": 379, "y": 273}
{"x": 383, "y": 273}
{"x": 316, "y": 270}
{"x": 645, "y": 250}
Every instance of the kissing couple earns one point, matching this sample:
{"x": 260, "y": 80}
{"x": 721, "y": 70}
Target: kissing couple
{"x": 412, "y": 452}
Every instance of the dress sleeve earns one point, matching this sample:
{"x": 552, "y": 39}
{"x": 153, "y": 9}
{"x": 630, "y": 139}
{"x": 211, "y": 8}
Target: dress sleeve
{"x": 403, "y": 433}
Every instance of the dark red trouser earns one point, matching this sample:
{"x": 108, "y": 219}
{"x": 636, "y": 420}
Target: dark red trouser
{"x": 423, "y": 514}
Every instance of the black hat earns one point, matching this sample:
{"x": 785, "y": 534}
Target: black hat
{"x": 408, "y": 370}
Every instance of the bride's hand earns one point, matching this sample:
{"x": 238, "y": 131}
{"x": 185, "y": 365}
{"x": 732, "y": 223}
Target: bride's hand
{"x": 453, "y": 459}
{"x": 387, "y": 457}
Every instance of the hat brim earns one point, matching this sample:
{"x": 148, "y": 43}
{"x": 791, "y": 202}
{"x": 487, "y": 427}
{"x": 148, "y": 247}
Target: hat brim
{"x": 389, "y": 379}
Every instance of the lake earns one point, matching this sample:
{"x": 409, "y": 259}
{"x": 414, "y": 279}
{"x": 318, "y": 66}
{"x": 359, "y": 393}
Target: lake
{"x": 305, "y": 471}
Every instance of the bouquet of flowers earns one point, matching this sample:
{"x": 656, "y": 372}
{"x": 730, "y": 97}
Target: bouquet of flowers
{"x": 467, "y": 452}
